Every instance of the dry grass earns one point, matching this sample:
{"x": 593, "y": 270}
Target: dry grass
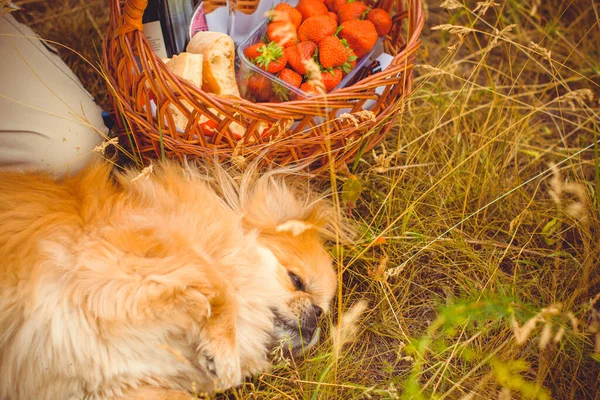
{"x": 479, "y": 260}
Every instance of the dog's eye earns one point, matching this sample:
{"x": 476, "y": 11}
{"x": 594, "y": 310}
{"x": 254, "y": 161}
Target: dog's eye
{"x": 298, "y": 284}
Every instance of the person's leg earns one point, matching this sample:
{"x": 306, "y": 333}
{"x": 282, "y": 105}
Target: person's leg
{"x": 48, "y": 121}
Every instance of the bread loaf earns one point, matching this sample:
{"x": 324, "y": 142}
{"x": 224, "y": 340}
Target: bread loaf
{"x": 218, "y": 50}
{"x": 187, "y": 66}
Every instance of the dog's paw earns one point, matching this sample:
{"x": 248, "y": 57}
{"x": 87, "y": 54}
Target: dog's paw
{"x": 224, "y": 370}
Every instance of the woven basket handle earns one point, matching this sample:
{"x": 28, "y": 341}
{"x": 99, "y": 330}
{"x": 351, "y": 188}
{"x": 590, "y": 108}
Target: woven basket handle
{"x": 131, "y": 19}
{"x": 385, "y": 4}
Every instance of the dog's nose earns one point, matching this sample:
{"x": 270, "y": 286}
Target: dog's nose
{"x": 311, "y": 321}
{"x": 318, "y": 311}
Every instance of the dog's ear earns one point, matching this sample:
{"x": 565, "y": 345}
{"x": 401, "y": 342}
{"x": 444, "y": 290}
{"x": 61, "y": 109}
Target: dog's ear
{"x": 279, "y": 200}
{"x": 280, "y": 204}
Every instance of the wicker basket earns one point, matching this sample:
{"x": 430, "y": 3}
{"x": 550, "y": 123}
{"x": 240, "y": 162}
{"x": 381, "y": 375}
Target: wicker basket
{"x": 309, "y": 129}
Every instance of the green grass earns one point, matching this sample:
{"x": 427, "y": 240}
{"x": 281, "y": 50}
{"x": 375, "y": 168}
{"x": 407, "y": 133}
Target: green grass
{"x": 462, "y": 246}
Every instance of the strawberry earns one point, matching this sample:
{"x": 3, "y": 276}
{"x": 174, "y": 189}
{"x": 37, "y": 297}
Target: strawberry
{"x": 253, "y": 52}
{"x": 208, "y": 127}
{"x": 309, "y": 88}
{"x": 290, "y": 77}
{"x": 331, "y": 78}
{"x": 360, "y": 35}
{"x": 311, "y": 8}
{"x": 353, "y": 10}
{"x": 296, "y": 54}
{"x": 259, "y": 86}
{"x": 333, "y": 16}
{"x": 334, "y": 5}
{"x": 283, "y": 33}
{"x": 288, "y": 13}
{"x": 382, "y": 21}
{"x": 317, "y": 28}
{"x": 277, "y": 65}
{"x": 272, "y": 58}
{"x": 332, "y": 52}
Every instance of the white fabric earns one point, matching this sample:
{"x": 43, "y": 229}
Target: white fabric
{"x": 48, "y": 121}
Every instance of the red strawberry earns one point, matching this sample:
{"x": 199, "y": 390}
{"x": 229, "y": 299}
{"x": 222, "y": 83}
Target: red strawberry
{"x": 289, "y": 14}
{"x": 317, "y": 28}
{"x": 353, "y": 10}
{"x": 360, "y": 35}
{"x": 259, "y": 86}
{"x": 291, "y": 77}
{"x": 283, "y": 33}
{"x": 272, "y": 58}
{"x": 208, "y": 127}
{"x": 311, "y": 8}
{"x": 382, "y": 21}
{"x": 275, "y": 66}
{"x": 309, "y": 88}
{"x": 331, "y": 79}
{"x": 334, "y": 5}
{"x": 332, "y": 52}
{"x": 253, "y": 52}
{"x": 334, "y": 16}
{"x": 296, "y": 54}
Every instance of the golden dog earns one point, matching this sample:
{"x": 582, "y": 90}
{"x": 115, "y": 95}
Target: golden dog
{"x": 113, "y": 287}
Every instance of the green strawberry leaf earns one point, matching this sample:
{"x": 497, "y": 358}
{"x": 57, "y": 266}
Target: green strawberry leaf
{"x": 263, "y": 61}
{"x": 270, "y": 52}
{"x": 338, "y": 30}
{"x": 281, "y": 93}
{"x": 276, "y": 49}
{"x": 315, "y": 58}
{"x": 346, "y": 67}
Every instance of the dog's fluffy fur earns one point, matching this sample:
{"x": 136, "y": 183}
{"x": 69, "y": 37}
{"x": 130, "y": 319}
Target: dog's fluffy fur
{"x": 113, "y": 287}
